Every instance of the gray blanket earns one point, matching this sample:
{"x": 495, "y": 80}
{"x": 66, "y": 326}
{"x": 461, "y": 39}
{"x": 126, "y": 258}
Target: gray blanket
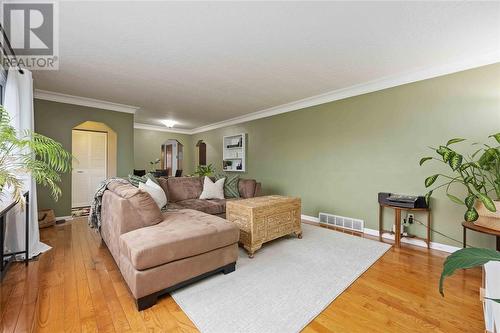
{"x": 95, "y": 207}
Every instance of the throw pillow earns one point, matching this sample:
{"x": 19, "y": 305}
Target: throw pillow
{"x": 230, "y": 185}
{"x": 149, "y": 175}
{"x": 135, "y": 180}
{"x": 213, "y": 190}
{"x": 155, "y": 191}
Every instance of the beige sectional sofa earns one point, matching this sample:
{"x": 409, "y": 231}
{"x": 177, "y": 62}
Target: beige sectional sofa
{"x": 183, "y": 192}
{"x": 159, "y": 252}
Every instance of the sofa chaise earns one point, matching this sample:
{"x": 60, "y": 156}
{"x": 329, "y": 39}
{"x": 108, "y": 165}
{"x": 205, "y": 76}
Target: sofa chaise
{"x": 159, "y": 252}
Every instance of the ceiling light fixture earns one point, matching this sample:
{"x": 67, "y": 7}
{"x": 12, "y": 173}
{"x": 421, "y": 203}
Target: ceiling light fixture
{"x": 169, "y": 123}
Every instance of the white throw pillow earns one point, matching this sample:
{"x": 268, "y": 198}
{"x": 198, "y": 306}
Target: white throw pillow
{"x": 213, "y": 190}
{"x": 155, "y": 191}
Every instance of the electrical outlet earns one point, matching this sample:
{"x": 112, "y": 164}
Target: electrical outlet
{"x": 410, "y": 218}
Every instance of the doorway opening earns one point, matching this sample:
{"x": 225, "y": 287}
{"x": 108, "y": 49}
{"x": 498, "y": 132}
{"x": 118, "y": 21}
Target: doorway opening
{"x": 94, "y": 148}
{"x": 202, "y": 152}
{"x": 89, "y": 165}
{"x": 171, "y": 157}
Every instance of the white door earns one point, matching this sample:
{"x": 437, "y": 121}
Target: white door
{"x": 89, "y": 165}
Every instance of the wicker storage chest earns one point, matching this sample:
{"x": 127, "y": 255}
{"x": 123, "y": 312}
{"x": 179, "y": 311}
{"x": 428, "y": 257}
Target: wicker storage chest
{"x": 262, "y": 219}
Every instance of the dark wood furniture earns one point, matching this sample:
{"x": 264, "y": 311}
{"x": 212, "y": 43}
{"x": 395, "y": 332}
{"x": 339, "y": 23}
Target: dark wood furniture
{"x": 472, "y": 226}
{"x": 139, "y": 173}
{"x": 397, "y": 224}
{"x": 148, "y": 301}
{"x": 7, "y": 258}
{"x": 161, "y": 173}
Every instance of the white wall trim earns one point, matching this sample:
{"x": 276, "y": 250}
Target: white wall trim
{"x": 416, "y": 242}
{"x": 84, "y": 101}
{"x": 162, "y": 128}
{"x": 359, "y": 89}
{"x": 64, "y": 218}
{"x": 310, "y": 218}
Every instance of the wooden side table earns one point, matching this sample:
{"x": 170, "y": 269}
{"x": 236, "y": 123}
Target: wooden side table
{"x": 397, "y": 223}
{"x": 472, "y": 226}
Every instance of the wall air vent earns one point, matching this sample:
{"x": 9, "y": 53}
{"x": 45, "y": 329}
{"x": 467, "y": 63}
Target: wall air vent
{"x": 342, "y": 222}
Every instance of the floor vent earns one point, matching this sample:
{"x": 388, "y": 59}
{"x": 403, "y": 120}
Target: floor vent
{"x": 342, "y": 222}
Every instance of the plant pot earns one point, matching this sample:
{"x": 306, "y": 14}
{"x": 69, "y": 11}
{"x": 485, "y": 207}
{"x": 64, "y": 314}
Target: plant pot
{"x": 488, "y": 219}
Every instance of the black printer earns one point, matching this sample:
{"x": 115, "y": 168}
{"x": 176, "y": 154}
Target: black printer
{"x": 402, "y": 200}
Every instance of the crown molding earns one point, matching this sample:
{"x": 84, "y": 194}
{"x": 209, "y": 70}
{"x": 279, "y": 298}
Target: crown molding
{"x": 162, "y": 128}
{"x": 355, "y": 90}
{"x": 359, "y": 89}
{"x": 84, "y": 101}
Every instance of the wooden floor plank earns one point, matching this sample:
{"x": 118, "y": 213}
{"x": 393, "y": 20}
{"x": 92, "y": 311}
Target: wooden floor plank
{"x": 77, "y": 287}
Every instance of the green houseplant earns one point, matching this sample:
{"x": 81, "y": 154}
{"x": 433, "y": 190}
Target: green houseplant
{"x": 479, "y": 174}
{"x": 204, "y": 170}
{"x": 29, "y": 152}
{"x": 153, "y": 164}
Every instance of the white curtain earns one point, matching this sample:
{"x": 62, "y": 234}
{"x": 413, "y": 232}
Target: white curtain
{"x": 19, "y": 104}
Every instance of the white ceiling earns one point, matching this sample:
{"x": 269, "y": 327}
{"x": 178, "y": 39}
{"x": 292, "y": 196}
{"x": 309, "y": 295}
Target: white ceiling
{"x": 201, "y": 63}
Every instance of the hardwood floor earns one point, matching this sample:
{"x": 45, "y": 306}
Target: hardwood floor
{"x": 76, "y": 287}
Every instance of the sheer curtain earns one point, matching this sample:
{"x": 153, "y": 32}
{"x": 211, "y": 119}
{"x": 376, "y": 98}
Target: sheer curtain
{"x": 19, "y": 104}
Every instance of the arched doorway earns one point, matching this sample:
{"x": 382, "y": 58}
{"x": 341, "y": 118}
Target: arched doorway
{"x": 202, "y": 152}
{"x": 171, "y": 157}
{"x": 94, "y": 146}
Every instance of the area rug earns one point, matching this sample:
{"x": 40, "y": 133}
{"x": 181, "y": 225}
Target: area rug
{"x": 288, "y": 283}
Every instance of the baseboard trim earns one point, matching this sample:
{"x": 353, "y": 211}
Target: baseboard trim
{"x": 64, "y": 218}
{"x": 310, "y": 218}
{"x": 416, "y": 242}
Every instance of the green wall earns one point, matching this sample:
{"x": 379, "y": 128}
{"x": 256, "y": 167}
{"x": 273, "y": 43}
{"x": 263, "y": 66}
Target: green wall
{"x": 56, "y": 120}
{"x": 338, "y": 156}
{"x": 147, "y": 147}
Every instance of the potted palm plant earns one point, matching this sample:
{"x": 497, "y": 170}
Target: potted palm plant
{"x": 479, "y": 175}
{"x": 204, "y": 170}
{"x": 29, "y": 152}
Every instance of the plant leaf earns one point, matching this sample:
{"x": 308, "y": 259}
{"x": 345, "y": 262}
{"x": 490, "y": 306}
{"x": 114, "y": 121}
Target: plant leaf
{"x": 496, "y": 136}
{"x": 430, "y": 180}
{"x": 454, "y": 199}
{"x": 476, "y": 152}
{"x": 452, "y": 141}
{"x": 466, "y": 258}
{"x": 423, "y": 159}
{"x": 493, "y": 299}
{"x": 471, "y": 215}
{"x": 445, "y": 152}
{"x": 487, "y": 157}
{"x": 442, "y": 149}
{"x": 487, "y": 202}
{"x": 448, "y": 155}
{"x": 455, "y": 161}
{"x": 470, "y": 200}
{"x": 428, "y": 197}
